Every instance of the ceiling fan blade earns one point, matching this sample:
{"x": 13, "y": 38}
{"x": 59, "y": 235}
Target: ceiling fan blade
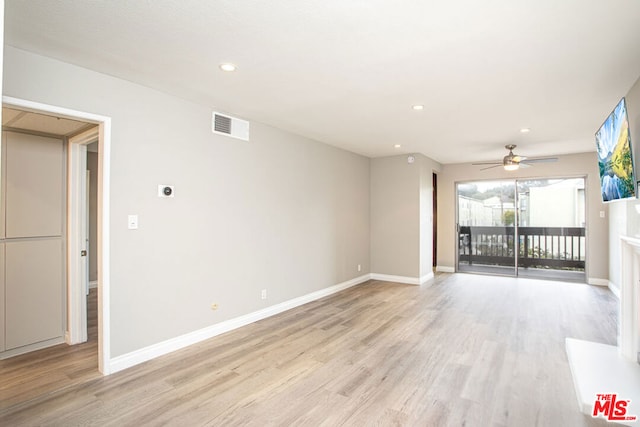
{"x": 491, "y": 167}
{"x": 542, "y": 160}
{"x": 518, "y": 159}
{"x": 487, "y": 163}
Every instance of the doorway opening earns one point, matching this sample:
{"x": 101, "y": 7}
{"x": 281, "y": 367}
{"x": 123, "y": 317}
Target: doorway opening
{"x": 527, "y": 227}
{"x": 435, "y": 220}
{"x": 94, "y": 129}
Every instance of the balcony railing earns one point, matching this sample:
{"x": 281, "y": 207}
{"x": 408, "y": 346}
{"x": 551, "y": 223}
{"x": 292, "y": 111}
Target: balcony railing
{"x": 538, "y": 247}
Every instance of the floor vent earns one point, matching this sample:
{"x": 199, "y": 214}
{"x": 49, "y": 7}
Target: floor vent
{"x": 230, "y": 126}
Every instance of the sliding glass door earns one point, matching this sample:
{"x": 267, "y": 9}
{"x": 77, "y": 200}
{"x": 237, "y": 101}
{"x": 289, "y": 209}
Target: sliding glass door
{"x": 531, "y": 228}
{"x": 551, "y": 229}
{"x": 486, "y": 227}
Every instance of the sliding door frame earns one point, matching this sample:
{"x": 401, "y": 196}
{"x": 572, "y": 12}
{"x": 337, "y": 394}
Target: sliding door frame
{"x": 515, "y": 180}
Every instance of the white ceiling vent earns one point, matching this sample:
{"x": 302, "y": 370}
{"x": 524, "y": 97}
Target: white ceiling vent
{"x": 230, "y": 126}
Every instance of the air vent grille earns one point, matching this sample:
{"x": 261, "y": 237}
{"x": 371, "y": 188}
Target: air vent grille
{"x": 222, "y": 124}
{"x": 230, "y": 126}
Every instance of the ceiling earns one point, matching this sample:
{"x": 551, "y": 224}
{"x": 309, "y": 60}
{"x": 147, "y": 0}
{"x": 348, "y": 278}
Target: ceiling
{"x": 347, "y": 72}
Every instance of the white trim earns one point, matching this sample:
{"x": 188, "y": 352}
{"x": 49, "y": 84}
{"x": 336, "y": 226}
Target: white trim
{"x": 93, "y": 284}
{"x": 397, "y": 279}
{"x": 427, "y": 277}
{"x": 156, "y": 350}
{"x": 104, "y": 122}
{"x": 103, "y": 249}
{"x": 77, "y": 275}
{"x": 445, "y": 269}
{"x": 76, "y": 205}
{"x": 628, "y": 328}
{"x": 597, "y": 282}
{"x": 604, "y": 282}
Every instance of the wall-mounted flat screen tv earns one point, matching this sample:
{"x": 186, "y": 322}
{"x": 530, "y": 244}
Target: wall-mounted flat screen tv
{"x": 615, "y": 158}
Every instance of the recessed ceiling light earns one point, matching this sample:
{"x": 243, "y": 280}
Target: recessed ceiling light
{"x": 228, "y": 67}
{"x": 525, "y": 130}
{"x": 418, "y": 107}
{"x": 397, "y": 146}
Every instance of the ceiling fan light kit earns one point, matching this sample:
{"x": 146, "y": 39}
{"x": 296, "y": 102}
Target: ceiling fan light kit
{"x": 512, "y": 162}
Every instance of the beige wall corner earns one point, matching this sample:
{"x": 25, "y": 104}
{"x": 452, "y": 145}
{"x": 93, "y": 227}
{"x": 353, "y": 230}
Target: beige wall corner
{"x": 401, "y": 215}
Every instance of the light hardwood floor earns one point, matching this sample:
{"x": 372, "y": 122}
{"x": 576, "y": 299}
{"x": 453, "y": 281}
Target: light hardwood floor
{"x": 467, "y": 350}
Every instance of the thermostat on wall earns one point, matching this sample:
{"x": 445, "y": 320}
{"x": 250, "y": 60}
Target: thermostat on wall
{"x": 166, "y": 190}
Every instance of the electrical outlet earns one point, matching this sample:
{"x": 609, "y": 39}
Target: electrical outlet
{"x": 359, "y": 267}
{"x": 263, "y": 294}
{"x": 214, "y": 306}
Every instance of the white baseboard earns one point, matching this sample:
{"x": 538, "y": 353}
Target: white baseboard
{"x": 427, "y": 277}
{"x": 93, "y": 284}
{"x": 604, "y": 282}
{"x": 597, "y": 282}
{"x": 156, "y": 350}
{"x": 397, "y": 279}
{"x": 614, "y": 290}
{"x": 445, "y": 269}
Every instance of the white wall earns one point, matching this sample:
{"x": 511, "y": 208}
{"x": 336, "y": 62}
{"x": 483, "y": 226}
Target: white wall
{"x": 625, "y": 214}
{"x": 281, "y": 212}
{"x": 633, "y": 110}
{"x": 567, "y": 166}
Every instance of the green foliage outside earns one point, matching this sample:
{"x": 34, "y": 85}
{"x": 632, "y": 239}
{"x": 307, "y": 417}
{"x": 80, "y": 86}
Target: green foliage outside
{"x": 509, "y": 218}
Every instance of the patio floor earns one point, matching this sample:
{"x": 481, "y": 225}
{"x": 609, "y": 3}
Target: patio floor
{"x": 533, "y": 273}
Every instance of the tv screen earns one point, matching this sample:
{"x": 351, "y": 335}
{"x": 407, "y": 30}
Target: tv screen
{"x": 615, "y": 159}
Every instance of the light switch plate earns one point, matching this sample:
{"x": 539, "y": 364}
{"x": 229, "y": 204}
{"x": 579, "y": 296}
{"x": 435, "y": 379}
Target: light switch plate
{"x": 132, "y": 222}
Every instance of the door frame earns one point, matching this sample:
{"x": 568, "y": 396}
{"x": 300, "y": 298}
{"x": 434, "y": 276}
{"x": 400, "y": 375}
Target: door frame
{"x": 76, "y": 235}
{"x": 75, "y": 288}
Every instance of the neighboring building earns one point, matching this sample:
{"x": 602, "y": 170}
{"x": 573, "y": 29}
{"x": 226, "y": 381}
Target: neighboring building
{"x": 560, "y": 204}
{"x": 473, "y": 212}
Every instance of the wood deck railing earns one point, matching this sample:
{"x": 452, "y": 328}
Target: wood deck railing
{"x": 538, "y": 247}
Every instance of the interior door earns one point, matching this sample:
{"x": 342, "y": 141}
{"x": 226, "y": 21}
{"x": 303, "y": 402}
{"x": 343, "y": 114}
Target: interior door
{"x": 35, "y": 308}
{"x": 486, "y": 227}
{"x": 85, "y": 231}
{"x": 34, "y": 258}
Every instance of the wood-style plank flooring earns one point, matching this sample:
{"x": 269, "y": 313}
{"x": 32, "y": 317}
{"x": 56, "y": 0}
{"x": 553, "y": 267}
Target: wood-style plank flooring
{"x": 466, "y": 350}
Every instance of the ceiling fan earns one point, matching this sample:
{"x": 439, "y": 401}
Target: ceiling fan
{"x": 512, "y": 162}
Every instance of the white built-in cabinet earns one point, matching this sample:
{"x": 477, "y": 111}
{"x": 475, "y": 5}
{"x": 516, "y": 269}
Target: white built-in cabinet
{"x": 32, "y": 244}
